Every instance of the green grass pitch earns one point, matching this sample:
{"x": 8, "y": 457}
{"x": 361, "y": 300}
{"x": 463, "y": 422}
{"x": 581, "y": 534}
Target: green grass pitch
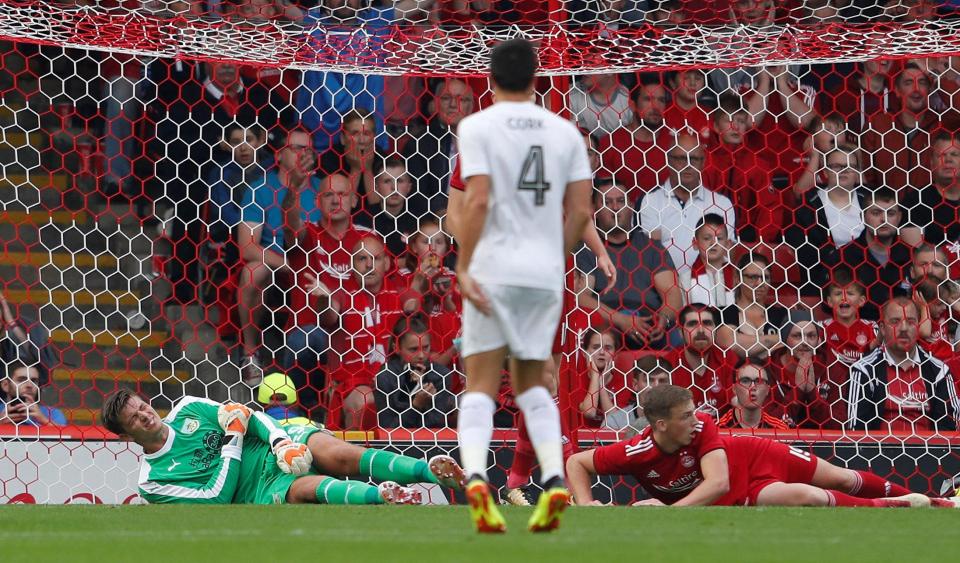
{"x": 331, "y": 534}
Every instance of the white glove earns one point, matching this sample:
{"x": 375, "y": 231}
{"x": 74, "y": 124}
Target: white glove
{"x": 233, "y": 418}
{"x": 292, "y": 457}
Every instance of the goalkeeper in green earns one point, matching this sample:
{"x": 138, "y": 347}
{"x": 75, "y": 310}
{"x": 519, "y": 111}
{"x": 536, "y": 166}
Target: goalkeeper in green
{"x": 208, "y": 452}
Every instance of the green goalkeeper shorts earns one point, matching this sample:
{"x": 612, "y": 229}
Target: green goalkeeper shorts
{"x": 261, "y": 481}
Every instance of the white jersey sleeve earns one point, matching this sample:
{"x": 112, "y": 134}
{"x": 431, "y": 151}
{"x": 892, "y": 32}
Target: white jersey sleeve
{"x": 530, "y": 155}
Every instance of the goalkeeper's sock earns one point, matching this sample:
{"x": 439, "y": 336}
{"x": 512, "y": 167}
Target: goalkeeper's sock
{"x": 474, "y": 431}
{"x": 873, "y": 486}
{"x": 524, "y": 458}
{"x": 543, "y": 424}
{"x": 388, "y": 466}
{"x": 336, "y": 491}
{"x": 836, "y": 498}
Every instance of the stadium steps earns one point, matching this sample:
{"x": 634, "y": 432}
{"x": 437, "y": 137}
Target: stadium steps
{"x": 126, "y": 376}
{"x": 83, "y": 416}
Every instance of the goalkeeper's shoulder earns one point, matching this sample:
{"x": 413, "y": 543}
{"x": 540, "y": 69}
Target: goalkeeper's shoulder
{"x": 194, "y": 405}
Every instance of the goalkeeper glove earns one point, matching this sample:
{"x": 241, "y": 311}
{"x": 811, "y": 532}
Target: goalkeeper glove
{"x": 233, "y": 418}
{"x": 292, "y": 457}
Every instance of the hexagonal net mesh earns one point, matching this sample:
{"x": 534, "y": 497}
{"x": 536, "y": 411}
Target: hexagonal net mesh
{"x": 245, "y": 201}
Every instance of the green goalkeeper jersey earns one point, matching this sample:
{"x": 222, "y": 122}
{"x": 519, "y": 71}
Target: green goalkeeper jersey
{"x": 194, "y": 466}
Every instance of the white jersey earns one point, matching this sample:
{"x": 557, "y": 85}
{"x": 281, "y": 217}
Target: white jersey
{"x": 530, "y": 154}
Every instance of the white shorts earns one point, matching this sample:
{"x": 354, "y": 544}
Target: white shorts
{"x": 524, "y": 319}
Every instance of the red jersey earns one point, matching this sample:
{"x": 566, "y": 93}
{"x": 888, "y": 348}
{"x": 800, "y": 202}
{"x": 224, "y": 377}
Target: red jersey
{"x": 781, "y": 142}
{"x": 906, "y": 404}
{"x": 711, "y": 389}
{"x": 939, "y": 342}
{"x": 849, "y": 343}
{"x": 639, "y": 165}
{"x": 695, "y": 120}
{"x": 667, "y": 477}
{"x": 326, "y": 257}
{"x": 739, "y": 173}
{"x": 359, "y": 345}
{"x": 732, "y": 420}
{"x": 753, "y": 464}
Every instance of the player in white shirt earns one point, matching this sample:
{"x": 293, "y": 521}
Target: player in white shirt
{"x": 526, "y": 202}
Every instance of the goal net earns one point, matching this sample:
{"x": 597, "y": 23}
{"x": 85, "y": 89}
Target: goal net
{"x": 245, "y": 200}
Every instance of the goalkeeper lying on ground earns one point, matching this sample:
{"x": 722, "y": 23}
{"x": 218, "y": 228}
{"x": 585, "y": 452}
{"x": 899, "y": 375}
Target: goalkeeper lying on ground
{"x": 207, "y": 452}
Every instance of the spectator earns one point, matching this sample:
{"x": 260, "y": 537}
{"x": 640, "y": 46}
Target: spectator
{"x": 260, "y": 235}
{"x": 849, "y": 337}
{"x": 600, "y": 104}
{"x": 413, "y": 392}
{"x": 710, "y": 280}
{"x": 829, "y": 219}
{"x": 21, "y": 398}
{"x": 935, "y": 208}
{"x": 899, "y": 143}
{"x": 927, "y": 261}
{"x": 609, "y": 393}
{"x": 828, "y": 134}
{"x": 670, "y": 213}
{"x": 739, "y": 172}
{"x": 685, "y": 112}
{"x": 318, "y": 255}
{"x": 387, "y": 208}
{"x": 432, "y": 156}
{"x": 327, "y": 96}
{"x": 278, "y": 397}
{"x": 434, "y": 284}
{"x": 643, "y": 303}
{"x": 752, "y": 389}
{"x": 937, "y": 327}
{"x": 649, "y": 372}
{"x": 238, "y": 168}
{"x": 360, "y": 317}
{"x": 861, "y": 96}
{"x": 354, "y": 153}
{"x": 807, "y": 395}
{"x": 701, "y": 366}
{"x": 878, "y": 257}
{"x": 781, "y": 110}
{"x": 900, "y": 387}
{"x": 636, "y": 154}
{"x": 750, "y": 326}
{"x": 26, "y": 341}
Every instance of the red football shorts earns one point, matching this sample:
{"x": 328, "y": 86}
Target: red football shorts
{"x": 755, "y": 463}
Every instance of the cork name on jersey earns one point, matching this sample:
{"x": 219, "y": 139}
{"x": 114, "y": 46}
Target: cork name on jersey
{"x": 524, "y": 124}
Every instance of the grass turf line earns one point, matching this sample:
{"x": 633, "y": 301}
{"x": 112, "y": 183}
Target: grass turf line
{"x": 290, "y": 534}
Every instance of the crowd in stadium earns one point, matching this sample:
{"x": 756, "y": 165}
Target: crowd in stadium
{"x": 785, "y": 238}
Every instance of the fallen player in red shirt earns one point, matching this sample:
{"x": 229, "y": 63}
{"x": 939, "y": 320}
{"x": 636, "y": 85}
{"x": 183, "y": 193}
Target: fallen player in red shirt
{"x": 681, "y": 460}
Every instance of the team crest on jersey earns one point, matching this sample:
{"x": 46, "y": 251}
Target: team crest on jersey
{"x": 213, "y": 440}
{"x": 861, "y": 340}
{"x": 687, "y": 461}
{"x": 190, "y": 426}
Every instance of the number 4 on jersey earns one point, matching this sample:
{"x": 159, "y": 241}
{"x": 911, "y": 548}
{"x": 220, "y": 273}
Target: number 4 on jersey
{"x": 531, "y": 177}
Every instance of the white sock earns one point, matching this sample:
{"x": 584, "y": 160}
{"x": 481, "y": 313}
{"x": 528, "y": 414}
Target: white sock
{"x": 474, "y": 431}
{"x": 543, "y": 425}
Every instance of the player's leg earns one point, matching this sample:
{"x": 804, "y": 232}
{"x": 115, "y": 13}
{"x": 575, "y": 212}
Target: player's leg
{"x": 337, "y": 457}
{"x": 355, "y": 404}
{"x": 253, "y": 279}
{"x": 321, "y": 489}
{"x": 862, "y": 484}
{"x": 801, "y": 494}
{"x": 524, "y": 457}
{"x": 475, "y": 429}
{"x": 542, "y": 419}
